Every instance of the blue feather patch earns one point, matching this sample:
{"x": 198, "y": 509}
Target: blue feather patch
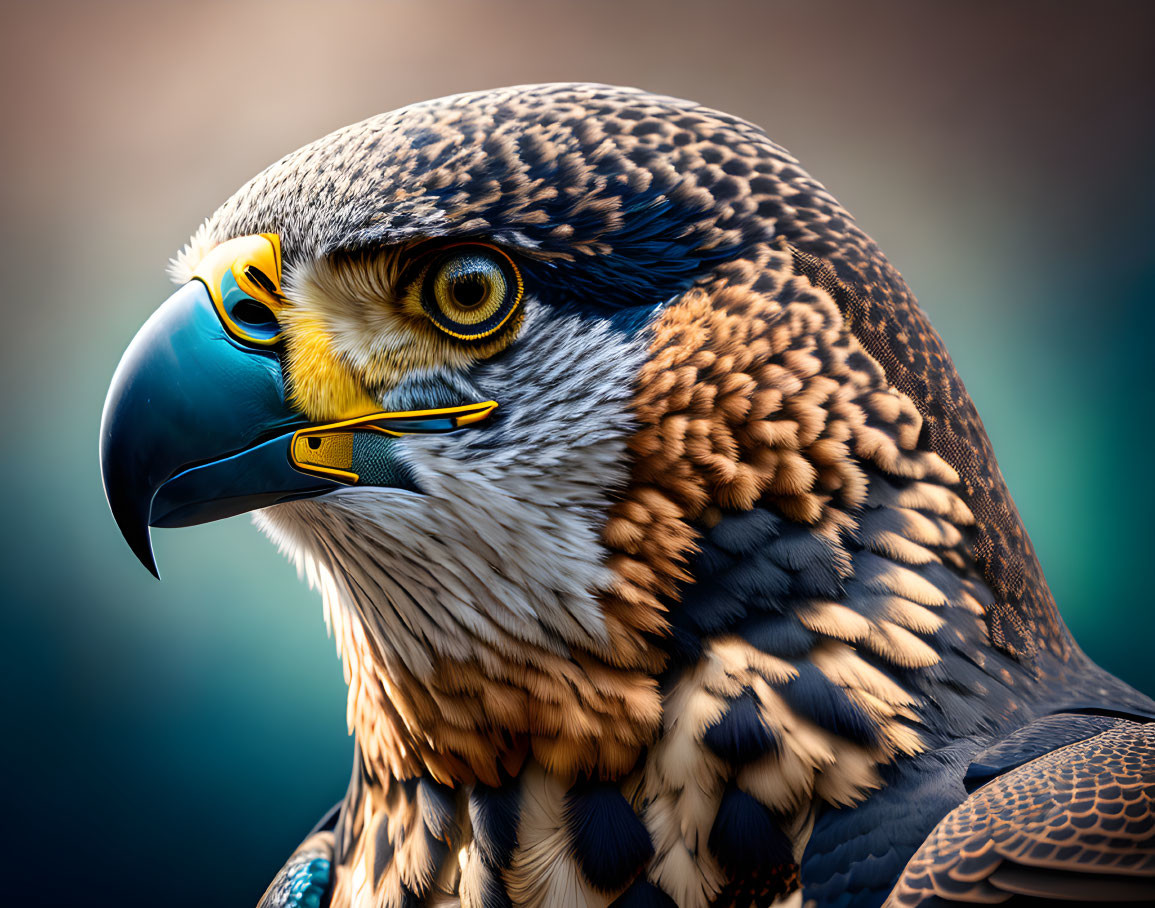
{"x": 740, "y": 735}
{"x": 308, "y": 884}
{"x": 610, "y": 843}
{"x": 302, "y": 883}
{"x": 746, "y": 837}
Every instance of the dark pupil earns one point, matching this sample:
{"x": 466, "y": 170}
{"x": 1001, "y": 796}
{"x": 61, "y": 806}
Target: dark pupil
{"x": 469, "y": 291}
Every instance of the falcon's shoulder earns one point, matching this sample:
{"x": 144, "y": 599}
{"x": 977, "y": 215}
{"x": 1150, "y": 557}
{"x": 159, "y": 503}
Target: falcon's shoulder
{"x": 831, "y": 620}
{"x": 1061, "y": 810}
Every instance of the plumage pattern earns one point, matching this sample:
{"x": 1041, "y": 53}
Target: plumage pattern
{"x": 728, "y": 603}
{"x": 1077, "y": 822}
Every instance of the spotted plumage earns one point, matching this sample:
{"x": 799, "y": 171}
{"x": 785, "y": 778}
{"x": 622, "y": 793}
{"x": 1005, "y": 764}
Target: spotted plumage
{"x": 726, "y": 603}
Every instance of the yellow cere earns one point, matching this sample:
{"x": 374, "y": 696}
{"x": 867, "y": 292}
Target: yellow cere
{"x": 254, "y": 264}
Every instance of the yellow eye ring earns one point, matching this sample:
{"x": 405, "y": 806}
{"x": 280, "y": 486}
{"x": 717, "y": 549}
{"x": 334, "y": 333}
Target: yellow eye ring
{"x": 470, "y": 290}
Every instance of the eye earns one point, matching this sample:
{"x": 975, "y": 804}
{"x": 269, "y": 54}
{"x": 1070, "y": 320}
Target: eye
{"x": 470, "y": 291}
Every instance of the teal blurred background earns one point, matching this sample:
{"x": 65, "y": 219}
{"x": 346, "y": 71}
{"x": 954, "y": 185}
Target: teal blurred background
{"x": 170, "y": 743}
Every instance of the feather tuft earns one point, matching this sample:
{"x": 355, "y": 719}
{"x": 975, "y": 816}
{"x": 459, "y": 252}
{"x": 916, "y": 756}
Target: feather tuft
{"x": 610, "y": 843}
{"x": 740, "y": 735}
{"x": 493, "y": 813}
{"x": 746, "y": 836}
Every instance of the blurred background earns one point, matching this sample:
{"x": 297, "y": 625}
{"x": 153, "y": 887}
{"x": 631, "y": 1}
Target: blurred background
{"x": 169, "y": 743}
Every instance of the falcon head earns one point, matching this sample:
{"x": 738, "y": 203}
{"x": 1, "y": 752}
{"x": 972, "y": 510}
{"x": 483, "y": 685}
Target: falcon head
{"x": 488, "y": 367}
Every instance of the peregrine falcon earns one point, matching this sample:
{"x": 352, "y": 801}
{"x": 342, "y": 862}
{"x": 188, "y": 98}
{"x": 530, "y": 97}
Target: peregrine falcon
{"x": 665, "y": 552}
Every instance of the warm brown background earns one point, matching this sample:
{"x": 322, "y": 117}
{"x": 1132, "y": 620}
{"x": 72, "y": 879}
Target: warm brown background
{"x": 169, "y": 743}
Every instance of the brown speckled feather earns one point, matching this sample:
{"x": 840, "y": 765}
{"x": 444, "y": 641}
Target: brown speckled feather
{"x": 884, "y": 316}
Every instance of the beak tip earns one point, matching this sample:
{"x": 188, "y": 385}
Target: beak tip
{"x": 139, "y": 539}
{"x": 131, "y": 518}
{"x": 146, "y": 558}
{"x": 151, "y": 565}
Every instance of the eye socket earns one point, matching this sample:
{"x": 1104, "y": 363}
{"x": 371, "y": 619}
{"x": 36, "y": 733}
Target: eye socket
{"x": 257, "y": 321}
{"x": 470, "y": 291}
{"x": 253, "y": 314}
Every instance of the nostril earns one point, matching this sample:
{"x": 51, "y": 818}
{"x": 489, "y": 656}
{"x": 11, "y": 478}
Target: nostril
{"x": 254, "y": 314}
{"x": 314, "y": 443}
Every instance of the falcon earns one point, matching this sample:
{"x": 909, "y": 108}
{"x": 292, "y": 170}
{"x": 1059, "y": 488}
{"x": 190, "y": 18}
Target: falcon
{"x": 666, "y": 555}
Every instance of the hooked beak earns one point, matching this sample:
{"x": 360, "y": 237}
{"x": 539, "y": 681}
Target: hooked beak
{"x": 196, "y": 426}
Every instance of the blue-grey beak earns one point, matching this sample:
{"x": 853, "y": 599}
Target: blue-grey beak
{"x": 196, "y": 427}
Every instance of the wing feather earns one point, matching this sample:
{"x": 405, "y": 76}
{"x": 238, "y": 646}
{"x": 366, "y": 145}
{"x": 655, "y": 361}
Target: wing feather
{"x": 1076, "y": 823}
{"x": 304, "y": 880}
